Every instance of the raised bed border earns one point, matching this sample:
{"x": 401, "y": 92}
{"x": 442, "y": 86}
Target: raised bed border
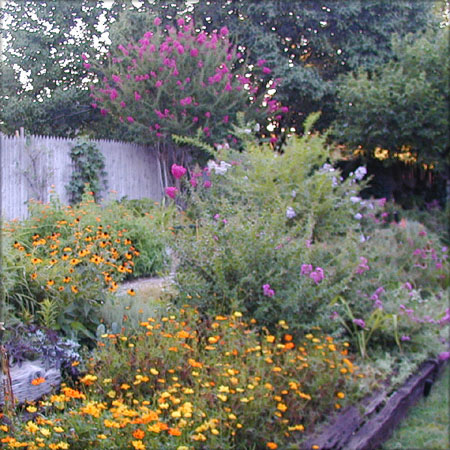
{"x": 370, "y": 423}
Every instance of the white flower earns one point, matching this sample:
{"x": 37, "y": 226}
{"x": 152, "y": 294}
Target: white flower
{"x": 355, "y": 199}
{"x": 360, "y": 172}
{"x": 290, "y": 213}
{"x": 294, "y": 194}
{"x": 334, "y": 182}
{"x": 358, "y": 216}
{"x": 219, "y": 169}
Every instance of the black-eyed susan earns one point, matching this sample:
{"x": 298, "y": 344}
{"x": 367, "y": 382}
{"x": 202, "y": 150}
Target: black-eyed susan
{"x": 131, "y": 292}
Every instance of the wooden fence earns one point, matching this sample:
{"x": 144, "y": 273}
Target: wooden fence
{"x": 33, "y": 165}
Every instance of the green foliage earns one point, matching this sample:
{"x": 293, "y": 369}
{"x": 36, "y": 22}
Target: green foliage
{"x": 403, "y": 106}
{"x": 41, "y": 42}
{"x": 242, "y": 237}
{"x": 63, "y": 263}
{"x": 88, "y": 171}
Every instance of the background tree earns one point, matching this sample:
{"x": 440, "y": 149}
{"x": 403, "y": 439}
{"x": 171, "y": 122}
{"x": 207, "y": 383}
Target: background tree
{"x": 176, "y": 80}
{"x": 403, "y": 108}
{"x": 307, "y": 43}
{"x": 44, "y": 86}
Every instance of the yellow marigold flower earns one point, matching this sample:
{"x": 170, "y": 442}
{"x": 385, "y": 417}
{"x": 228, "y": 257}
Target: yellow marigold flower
{"x": 153, "y": 371}
{"x": 58, "y": 429}
{"x": 296, "y": 428}
{"x": 182, "y": 447}
{"x": 223, "y": 397}
{"x": 45, "y": 432}
{"x": 31, "y": 427}
{"x": 101, "y": 436}
{"x": 31, "y": 409}
{"x": 237, "y": 314}
{"x": 88, "y": 379}
{"x": 270, "y": 338}
{"x": 282, "y": 407}
{"x": 138, "y": 445}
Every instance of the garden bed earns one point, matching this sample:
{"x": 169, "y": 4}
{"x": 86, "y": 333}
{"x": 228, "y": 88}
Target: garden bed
{"x": 367, "y": 425}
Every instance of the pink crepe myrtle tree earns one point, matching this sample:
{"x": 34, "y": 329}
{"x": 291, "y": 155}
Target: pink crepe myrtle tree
{"x": 180, "y": 80}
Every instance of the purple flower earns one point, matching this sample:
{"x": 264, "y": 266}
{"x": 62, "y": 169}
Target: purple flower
{"x": 359, "y": 322}
{"x": 267, "y": 291}
{"x": 207, "y": 184}
{"x": 171, "y": 191}
{"x": 130, "y": 119}
{"x": 306, "y": 269}
{"x": 157, "y": 21}
{"x": 186, "y": 101}
{"x": 177, "y": 171}
{"x": 137, "y": 96}
{"x": 444, "y": 356}
{"x": 193, "y": 182}
{"x": 317, "y": 276}
{"x": 408, "y": 286}
{"x": 405, "y": 338}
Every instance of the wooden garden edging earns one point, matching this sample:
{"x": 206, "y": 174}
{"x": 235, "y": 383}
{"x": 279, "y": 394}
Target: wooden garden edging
{"x": 23, "y": 375}
{"x": 367, "y": 425}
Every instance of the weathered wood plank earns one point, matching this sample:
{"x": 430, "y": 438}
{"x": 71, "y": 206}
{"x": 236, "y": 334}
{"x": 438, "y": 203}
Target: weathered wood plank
{"x": 367, "y": 425}
{"x": 379, "y": 428}
{"x": 22, "y": 376}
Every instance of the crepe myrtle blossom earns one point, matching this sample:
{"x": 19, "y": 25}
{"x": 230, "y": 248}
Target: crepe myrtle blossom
{"x": 178, "y": 171}
{"x": 171, "y": 191}
{"x": 267, "y": 291}
{"x": 290, "y": 213}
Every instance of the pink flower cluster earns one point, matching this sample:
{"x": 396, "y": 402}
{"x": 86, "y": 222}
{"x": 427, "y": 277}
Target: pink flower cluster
{"x": 156, "y": 64}
{"x": 362, "y": 267}
{"x": 267, "y": 291}
{"x": 317, "y": 275}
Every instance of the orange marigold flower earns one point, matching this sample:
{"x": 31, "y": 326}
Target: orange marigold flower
{"x": 174, "y": 431}
{"x": 139, "y": 434}
{"x": 288, "y": 337}
{"x": 272, "y": 445}
{"x": 38, "y": 381}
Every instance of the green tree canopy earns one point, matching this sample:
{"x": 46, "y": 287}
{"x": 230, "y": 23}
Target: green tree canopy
{"x": 306, "y": 42}
{"x": 403, "y": 108}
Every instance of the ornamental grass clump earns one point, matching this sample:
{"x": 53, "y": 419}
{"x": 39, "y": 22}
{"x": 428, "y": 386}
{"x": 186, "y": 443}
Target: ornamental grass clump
{"x": 183, "y": 382}
{"x": 61, "y": 264}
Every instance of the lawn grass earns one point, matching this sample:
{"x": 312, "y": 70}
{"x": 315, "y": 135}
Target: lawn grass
{"x": 427, "y": 425}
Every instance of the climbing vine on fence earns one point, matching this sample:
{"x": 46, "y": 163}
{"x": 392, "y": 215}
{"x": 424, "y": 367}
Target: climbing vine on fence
{"x": 88, "y": 169}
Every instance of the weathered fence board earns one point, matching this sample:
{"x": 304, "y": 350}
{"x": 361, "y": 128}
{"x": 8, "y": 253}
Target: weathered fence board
{"x": 31, "y": 165}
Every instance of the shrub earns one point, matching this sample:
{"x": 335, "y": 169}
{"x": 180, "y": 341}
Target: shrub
{"x": 283, "y": 220}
